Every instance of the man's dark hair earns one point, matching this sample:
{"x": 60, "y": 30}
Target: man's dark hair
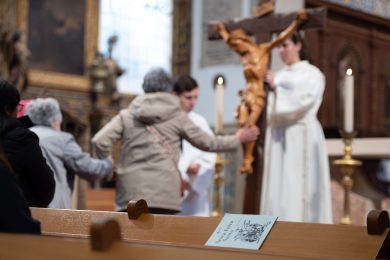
{"x": 297, "y": 38}
{"x": 184, "y": 83}
{"x": 9, "y": 97}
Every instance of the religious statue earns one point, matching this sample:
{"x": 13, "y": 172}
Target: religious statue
{"x": 18, "y": 63}
{"x": 254, "y": 58}
{"x": 114, "y": 71}
{"x": 99, "y": 75}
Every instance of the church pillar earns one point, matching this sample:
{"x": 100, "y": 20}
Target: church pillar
{"x": 181, "y": 49}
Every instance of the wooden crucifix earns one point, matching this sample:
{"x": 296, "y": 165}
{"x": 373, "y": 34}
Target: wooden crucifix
{"x": 255, "y": 59}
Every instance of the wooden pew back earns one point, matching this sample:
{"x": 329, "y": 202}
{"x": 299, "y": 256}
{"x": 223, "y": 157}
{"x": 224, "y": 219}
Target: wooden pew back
{"x": 287, "y": 239}
{"x": 148, "y": 227}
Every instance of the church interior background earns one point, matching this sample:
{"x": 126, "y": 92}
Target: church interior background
{"x": 68, "y": 41}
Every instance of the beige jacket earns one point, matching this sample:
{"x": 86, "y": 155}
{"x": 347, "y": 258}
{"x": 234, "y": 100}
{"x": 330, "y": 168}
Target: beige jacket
{"x": 147, "y": 168}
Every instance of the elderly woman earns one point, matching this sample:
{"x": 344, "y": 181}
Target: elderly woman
{"x": 151, "y": 130}
{"x": 21, "y": 149}
{"x": 61, "y": 150}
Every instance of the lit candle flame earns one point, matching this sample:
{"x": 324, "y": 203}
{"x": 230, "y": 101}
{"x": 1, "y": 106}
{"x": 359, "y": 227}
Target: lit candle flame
{"x": 220, "y": 80}
{"x": 349, "y": 72}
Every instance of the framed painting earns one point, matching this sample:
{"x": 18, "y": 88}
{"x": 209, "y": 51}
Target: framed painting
{"x": 62, "y": 37}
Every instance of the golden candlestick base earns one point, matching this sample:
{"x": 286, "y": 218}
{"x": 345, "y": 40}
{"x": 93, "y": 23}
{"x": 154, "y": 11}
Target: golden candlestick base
{"x": 218, "y": 180}
{"x": 347, "y": 167}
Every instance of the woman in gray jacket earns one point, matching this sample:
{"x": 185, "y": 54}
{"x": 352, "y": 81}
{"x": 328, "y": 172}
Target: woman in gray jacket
{"x": 151, "y": 130}
{"x": 62, "y": 152}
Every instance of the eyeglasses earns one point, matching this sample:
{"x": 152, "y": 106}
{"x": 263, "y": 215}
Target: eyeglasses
{"x": 20, "y": 108}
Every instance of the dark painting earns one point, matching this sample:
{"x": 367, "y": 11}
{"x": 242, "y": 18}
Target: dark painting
{"x": 56, "y": 35}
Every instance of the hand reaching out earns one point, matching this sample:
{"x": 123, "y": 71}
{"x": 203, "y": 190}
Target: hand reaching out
{"x": 247, "y": 134}
{"x": 269, "y": 78}
{"x": 193, "y": 168}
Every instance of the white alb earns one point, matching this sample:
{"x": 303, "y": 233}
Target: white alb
{"x": 296, "y": 182}
{"x": 196, "y": 200}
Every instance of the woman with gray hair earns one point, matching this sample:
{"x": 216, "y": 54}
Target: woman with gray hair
{"x": 61, "y": 150}
{"x": 151, "y": 130}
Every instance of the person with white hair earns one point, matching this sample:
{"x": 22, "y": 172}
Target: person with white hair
{"x": 62, "y": 152}
{"x": 151, "y": 130}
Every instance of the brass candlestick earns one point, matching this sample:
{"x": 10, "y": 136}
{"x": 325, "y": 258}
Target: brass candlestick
{"x": 218, "y": 180}
{"x": 347, "y": 167}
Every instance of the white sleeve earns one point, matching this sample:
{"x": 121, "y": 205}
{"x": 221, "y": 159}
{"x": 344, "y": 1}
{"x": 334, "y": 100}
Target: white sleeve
{"x": 292, "y": 103}
{"x": 205, "y": 159}
{"x": 190, "y": 154}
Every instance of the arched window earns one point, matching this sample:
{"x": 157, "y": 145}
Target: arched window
{"x": 348, "y": 59}
{"x": 144, "y": 31}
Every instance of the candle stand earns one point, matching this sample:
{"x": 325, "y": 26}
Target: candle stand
{"x": 218, "y": 180}
{"x": 347, "y": 167}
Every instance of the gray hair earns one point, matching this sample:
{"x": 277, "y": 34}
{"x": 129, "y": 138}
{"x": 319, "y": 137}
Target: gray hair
{"x": 157, "y": 80}
{"x": 44, "y": 111}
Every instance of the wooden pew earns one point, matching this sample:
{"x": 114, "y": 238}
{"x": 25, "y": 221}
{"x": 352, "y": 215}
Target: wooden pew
{"x": 105, "y": 243}
{"x": 47, "y": 247}
{"x": 148, "y": 227}
{"x": 286, "y": 239}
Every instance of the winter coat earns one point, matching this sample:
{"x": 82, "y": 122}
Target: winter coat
{"x": 15, "y": 214}
{"x": 147, "y": 168}
{"x": 21, "y": 148}
{"x": 66, "y": 159}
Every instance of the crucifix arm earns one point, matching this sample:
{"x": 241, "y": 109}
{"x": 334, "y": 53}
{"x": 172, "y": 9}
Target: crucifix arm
{"x": 221, "y": 29}
{"x": 300, "y": 18}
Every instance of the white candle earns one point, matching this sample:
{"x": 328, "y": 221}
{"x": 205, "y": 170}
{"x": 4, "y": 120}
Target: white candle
{"x": 219, "y": 89}
{"x": 348, "y": 102}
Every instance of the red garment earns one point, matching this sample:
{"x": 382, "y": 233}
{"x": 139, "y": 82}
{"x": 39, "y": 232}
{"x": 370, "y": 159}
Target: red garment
{"x": 23, "y": 104}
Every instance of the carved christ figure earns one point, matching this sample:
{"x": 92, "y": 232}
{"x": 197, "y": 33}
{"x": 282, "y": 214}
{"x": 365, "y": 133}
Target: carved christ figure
{"x": 254, "y": 58}
{"x": 114, "y": 72}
